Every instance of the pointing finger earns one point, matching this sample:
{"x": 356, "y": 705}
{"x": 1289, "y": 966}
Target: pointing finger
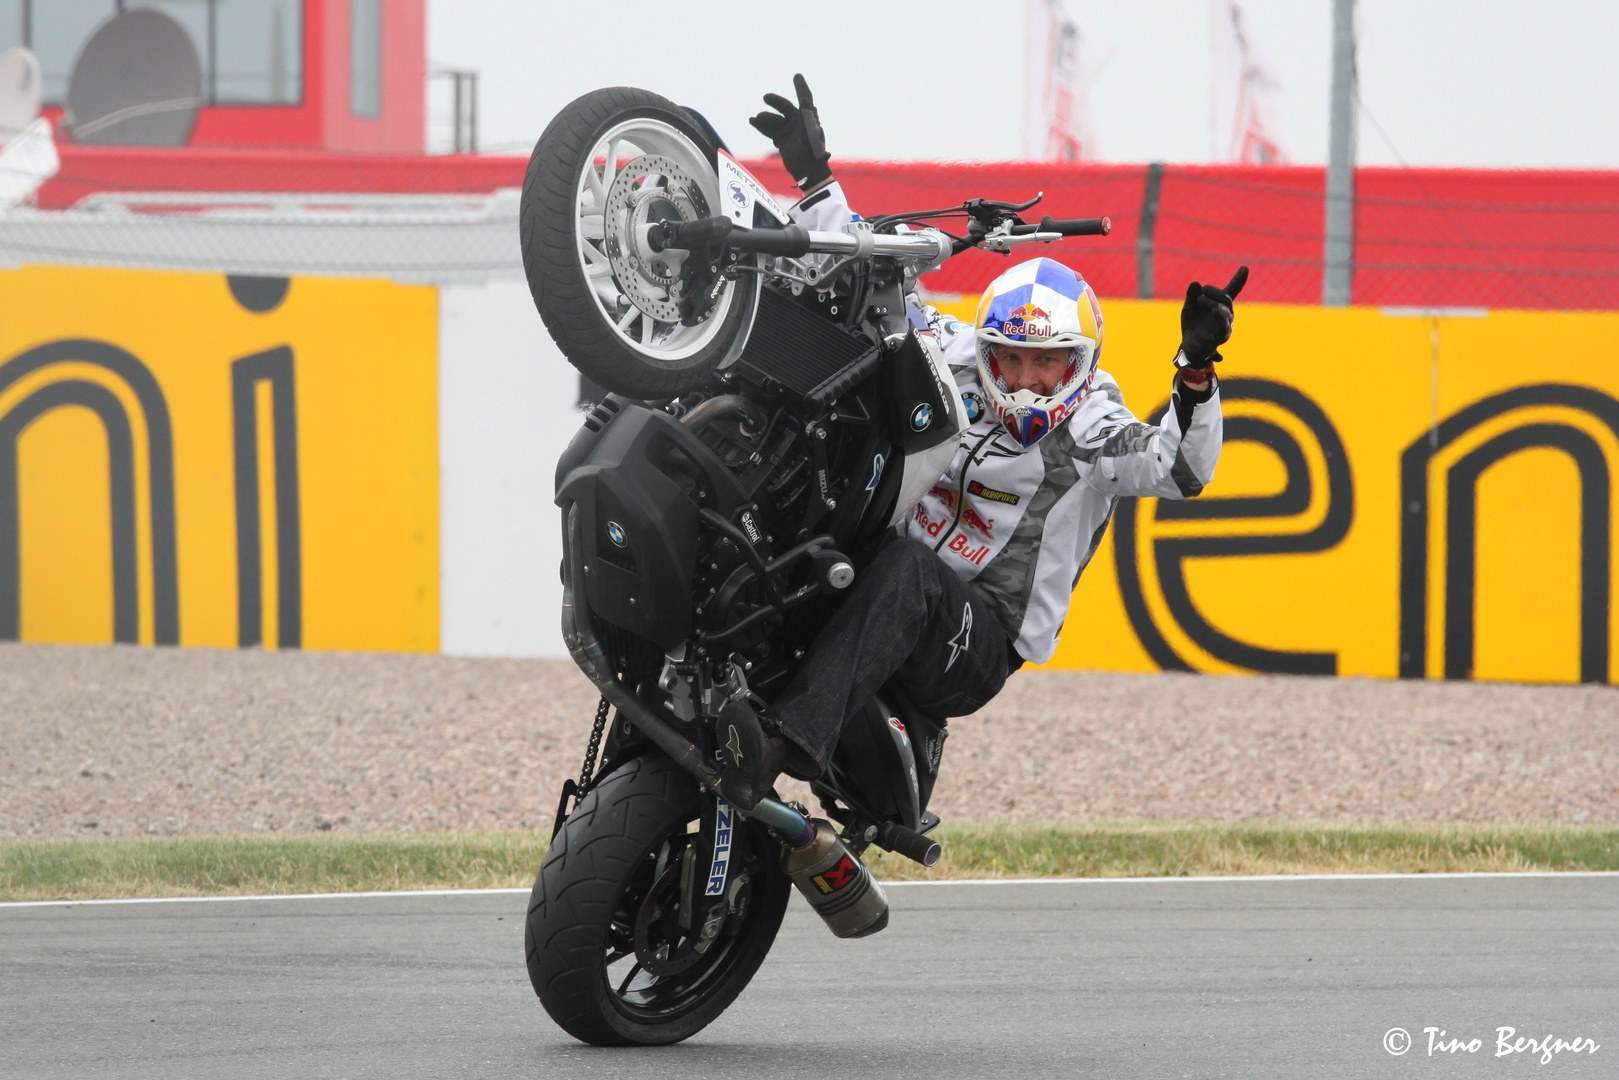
{"x": 805, "y": 99}
{"x": 1238, "y": 280}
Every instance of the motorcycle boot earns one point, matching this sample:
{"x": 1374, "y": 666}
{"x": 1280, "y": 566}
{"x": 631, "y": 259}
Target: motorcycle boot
{"x": 750, "y": 759}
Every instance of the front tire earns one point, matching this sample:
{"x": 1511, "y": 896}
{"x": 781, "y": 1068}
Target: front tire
{"x": 605, "y": 163}
{"x": 587, "y": 915}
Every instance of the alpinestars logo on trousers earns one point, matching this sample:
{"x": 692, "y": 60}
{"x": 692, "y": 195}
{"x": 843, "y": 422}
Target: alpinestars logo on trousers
{"x": 959, "y": 643}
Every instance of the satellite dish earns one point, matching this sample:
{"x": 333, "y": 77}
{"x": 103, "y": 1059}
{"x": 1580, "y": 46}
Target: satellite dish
{"x": 137, "y": 82}
{"x": 20, "y": 86}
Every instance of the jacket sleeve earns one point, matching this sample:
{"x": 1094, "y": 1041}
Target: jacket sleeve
{"x": 825, "y": 211}
{"x": 1120, "y": 455}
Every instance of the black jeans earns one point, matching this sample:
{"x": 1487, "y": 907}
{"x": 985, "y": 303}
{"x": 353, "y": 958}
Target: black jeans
{"x": 909, "y": 619}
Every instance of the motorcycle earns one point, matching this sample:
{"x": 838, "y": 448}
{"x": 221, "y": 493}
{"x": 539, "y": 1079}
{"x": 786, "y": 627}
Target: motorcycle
{"x": 775, "y": 411}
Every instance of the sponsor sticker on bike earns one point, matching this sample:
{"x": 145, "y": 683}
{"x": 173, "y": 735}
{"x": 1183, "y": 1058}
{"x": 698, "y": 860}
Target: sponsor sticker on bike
{"x": 724, "y": 823}
{"x": 742, "y": 193}
{"x": 876, "y": 472}
{"x": 836, "y": 878}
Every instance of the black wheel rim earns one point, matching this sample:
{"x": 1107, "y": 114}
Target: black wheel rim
{"x": 636, "y": 990}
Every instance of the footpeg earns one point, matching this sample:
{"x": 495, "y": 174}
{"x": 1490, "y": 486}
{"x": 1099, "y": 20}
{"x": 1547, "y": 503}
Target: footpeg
{"x": 837, "y": 884}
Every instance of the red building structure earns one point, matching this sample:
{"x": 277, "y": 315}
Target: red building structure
{"x": 335, "y": 75}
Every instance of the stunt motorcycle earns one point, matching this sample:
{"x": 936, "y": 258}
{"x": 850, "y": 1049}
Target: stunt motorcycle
{"x": 774, "y": 413}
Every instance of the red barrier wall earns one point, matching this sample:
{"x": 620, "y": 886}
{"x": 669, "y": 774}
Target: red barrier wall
{"x": 1424, "y": 237}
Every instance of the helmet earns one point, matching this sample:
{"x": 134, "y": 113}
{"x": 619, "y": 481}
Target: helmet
{"x": 1038, "y": 304}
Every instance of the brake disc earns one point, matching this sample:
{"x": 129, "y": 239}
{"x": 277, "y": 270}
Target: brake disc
{"x": 660, "y": 945}
{"x": 648, "y": 189}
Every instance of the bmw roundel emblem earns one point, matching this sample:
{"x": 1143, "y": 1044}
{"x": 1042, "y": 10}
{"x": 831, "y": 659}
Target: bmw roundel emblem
{"x": 615, "y": 533}
{"x": 975, "y": 407}
{"x": 921, "y": 417}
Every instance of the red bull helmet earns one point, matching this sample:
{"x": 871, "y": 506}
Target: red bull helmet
{"x": 1041, "y": 304}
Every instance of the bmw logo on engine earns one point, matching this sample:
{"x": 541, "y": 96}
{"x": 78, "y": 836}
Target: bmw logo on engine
{"x": 921, "y": 416}
{"x": 615, "y": 533}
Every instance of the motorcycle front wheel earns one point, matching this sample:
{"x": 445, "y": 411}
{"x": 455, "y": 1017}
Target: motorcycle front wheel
{"x": 610, "y": 164}
{"x": 605, "y": 952}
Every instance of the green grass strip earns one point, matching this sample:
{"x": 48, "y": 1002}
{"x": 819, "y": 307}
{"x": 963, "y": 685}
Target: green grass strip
{"x": 254, "y": 865}
{"x": 1218, "y": 848}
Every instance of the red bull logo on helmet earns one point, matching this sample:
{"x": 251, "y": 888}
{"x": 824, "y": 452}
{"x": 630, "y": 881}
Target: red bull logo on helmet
{"x": 1027, "y": 321}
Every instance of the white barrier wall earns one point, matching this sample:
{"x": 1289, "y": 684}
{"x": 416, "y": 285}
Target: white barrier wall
{"x": 506, "y": 411}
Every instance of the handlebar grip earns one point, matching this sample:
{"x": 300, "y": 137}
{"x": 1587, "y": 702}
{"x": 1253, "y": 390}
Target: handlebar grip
{"x": 908, "y": 842}
{"x": 792, "y": 241}
{"x": 1099, "y": 226}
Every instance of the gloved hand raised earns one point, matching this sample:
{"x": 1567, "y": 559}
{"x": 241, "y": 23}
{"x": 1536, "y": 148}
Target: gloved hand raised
{"x": 1206, "y": 320}
{"x": 796, "y": 131}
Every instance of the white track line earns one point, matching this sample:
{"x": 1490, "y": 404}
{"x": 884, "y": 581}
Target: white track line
{"x": 1163, "y": 879}
{"x": 272, "y": 896}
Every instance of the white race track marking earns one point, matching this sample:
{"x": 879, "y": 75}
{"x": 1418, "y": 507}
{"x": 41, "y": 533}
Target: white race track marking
{"x": 886, "y": 885}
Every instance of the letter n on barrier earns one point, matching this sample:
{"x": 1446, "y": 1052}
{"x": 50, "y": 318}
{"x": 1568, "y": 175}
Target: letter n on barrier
{"x": 275, "y": 368}
{"x": 1461, "y": 525}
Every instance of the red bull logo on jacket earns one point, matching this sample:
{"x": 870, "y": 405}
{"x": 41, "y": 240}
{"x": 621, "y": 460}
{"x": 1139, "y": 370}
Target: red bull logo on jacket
{"x": 970, "y": 519}
{"x": 973, "y": 553}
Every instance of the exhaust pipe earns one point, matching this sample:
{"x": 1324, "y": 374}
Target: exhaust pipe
{"x": 587, "y": 652}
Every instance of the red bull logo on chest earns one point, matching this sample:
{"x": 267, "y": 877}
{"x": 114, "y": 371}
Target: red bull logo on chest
{"x": 973, "y": 553}
{"x": 971, "y": 519}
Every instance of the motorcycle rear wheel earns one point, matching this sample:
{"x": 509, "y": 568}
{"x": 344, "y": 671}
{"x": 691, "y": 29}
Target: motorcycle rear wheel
{"x": 610, "y": 303}
{"x": 589, "y": 906}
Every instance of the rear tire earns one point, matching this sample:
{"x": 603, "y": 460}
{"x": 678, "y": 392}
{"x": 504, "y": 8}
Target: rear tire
{"x": 589, "y": 886}
{"x": 591, "y": 298}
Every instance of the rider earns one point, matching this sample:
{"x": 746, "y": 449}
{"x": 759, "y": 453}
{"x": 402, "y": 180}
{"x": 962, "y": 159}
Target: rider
{"x": 982, "y": 579}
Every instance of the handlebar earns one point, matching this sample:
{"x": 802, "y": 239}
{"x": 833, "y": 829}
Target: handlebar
{"x": 791, "y": 240}
{"x": 1099, "y": 226}
{"x": 795, "y": 241}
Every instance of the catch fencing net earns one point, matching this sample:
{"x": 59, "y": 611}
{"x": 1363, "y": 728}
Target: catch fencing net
{"x": 1423, "y": 237}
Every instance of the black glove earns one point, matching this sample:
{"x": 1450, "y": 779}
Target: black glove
{"x": 796, "y": 131}
{"x": 1206, "y": 321}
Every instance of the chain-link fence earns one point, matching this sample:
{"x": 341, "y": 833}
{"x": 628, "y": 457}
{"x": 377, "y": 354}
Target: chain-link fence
{"x": 1423, "y": 237}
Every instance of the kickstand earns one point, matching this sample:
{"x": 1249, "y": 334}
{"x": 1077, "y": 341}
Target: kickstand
{"x": 569, "y": 790}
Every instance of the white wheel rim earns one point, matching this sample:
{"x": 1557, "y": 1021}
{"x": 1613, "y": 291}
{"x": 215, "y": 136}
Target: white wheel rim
{"x": 649, "y": 336}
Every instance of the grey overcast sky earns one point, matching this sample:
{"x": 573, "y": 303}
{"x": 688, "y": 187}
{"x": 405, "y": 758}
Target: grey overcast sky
{"x": 1451, "y": 82}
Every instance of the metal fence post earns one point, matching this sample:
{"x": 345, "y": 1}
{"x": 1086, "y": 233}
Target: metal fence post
{"x": 1338, "y": 261}
{"x": 1149, "y": 226}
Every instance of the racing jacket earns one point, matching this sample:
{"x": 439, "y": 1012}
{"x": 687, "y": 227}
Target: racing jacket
{"x": 1023, "y": 523}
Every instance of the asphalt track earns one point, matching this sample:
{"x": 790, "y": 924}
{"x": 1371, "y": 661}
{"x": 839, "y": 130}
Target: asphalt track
{"x": 1202, "y": 978}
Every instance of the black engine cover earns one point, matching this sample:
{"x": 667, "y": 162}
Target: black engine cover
{"x": 639, "y": 477}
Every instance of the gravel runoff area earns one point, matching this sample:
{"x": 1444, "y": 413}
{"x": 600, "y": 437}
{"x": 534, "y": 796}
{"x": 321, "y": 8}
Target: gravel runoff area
{"x": 124, "y": 741}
